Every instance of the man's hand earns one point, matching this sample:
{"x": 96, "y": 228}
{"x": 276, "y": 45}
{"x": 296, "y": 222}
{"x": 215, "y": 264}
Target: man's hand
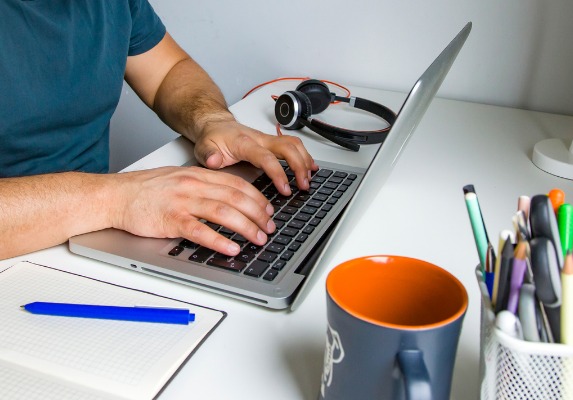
{"x": 226, "y": 142}
{"x": 168, "y": 203}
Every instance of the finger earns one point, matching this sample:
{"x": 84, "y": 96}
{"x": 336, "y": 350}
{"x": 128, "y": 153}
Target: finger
{"x": 230, "y": 217}
{"x": 223, "y": 203}
{"x": 200, "y": 233}
{"x": 292, "y": 150}
{"x": 249, "y": 150}
{"x": 243, "y": 190}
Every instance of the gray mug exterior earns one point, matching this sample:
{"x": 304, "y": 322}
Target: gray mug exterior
{"x": 361, "y": 360}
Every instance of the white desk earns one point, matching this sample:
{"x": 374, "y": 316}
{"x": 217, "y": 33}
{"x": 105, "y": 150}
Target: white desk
{"x": 261, "y": 354}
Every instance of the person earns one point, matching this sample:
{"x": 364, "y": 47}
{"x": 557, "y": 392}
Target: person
{"x": 61, "y": 76}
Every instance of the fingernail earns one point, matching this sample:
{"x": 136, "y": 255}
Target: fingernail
{"x": 234, "y": 248}
{"x": 270, "y": 209}
{"x": 271, "y": 226}
{"x": 306, "y": 184}
{"x": 287, "y": 189}
{"x": 261, "y": 237}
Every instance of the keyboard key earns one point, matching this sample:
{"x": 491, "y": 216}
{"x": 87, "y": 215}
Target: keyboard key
{"x": 301, "y": 238}
{"x": 279, "y": 201}
{"x": 176, "y": 251}
{"x": 325, "y": 191}
{"x": 245, "y": 257}
{"x": 324, "y": 173}
{"x": 314, "y": 203}
{"x": 302, "y": 197}
{"x": 340, "y": 174}
{"x": 288, "y": 231}
{"x": 279, "y": 265}
{"x": 271, "y": 275}
{"x": 267, "y": 256}
{"x": 303, "y": 217}
{"x": 201, "y": 254}
{"x": 320, "y": 197}
{"x": 281, "y": 239}
{"x": 282, "y": 217}
{"x": 314, "y": 222}
{"x": 308, "y": 210}
{"x": 232, "y": 265}
{"x": 275, "y": 247}
{"x": 188, "y": 244}
{"x": 296, "y": 203}
{"x": 290, "y": 210}
{"x": 239, "y": 239}
{"x": 308, "y": 229}
{"x": 287, "y": 255}
{"x": 256, "y": 269}
{"x": 252, "y": 248}
{"x": 294, "y": 247}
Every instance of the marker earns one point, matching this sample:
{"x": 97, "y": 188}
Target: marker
{"x": 517, "y": 274}
{"x": 543, "y": 223}
{"x": 140, "y": 314}
{"x": 557, "y": 198}
{"x": 565, "y": 224}
{"x": 567, "y": 300}
{"x": 504, "y": 276}
{"x": 504, "y": 236}
{"x": 477, "y": 223}
{"x": 523, "y": 203}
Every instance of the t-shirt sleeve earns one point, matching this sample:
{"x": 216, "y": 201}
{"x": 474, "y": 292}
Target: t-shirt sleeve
{"x": 147, "y": 29}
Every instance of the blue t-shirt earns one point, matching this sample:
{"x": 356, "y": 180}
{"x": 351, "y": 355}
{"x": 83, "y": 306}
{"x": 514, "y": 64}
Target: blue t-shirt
{"x": 62, "y": 64}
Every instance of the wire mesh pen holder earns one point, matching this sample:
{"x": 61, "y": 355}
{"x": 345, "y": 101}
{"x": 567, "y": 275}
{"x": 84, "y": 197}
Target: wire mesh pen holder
{"x": 516, "y": 369}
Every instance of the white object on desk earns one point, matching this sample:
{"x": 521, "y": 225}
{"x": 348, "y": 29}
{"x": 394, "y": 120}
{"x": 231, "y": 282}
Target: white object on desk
{"x": 553, "y": 156}
{"x": 49, "y": 357}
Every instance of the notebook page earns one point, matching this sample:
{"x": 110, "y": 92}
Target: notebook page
{"x": 21, "y": 384}
{"x": 130, "y": 358}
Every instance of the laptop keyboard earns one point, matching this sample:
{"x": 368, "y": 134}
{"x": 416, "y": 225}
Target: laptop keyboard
{"x": 296, "y": 217}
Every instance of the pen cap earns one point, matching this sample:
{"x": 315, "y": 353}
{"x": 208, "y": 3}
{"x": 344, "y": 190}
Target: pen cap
{"x": 543, "y": 222}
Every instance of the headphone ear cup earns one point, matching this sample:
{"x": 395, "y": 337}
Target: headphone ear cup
{"x": 318, "y": 94}
{"x": 291, "y": 107}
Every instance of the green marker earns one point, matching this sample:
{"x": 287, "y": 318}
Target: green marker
{"x": 565, "y": 224}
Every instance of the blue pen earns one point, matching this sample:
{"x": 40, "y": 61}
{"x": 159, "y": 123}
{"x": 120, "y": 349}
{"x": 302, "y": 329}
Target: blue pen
{"x": 489, "y": 269}
{"x": 140, "y": 314}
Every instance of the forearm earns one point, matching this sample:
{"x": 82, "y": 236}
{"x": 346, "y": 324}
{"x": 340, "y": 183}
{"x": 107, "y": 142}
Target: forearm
{"x": 188, "y": 99}
{"x": 45, "y": 210}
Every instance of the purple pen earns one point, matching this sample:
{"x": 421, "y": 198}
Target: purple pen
{"x": 517, "y": 274}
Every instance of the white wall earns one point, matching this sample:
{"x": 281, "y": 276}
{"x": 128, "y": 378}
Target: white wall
{"x": 519, "y": 54}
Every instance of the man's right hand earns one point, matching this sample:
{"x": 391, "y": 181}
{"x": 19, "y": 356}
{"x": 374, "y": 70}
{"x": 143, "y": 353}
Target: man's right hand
{"x": 168, "y": 202}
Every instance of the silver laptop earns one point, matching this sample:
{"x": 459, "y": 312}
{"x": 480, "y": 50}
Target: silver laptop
{"x": 311, "y": 226}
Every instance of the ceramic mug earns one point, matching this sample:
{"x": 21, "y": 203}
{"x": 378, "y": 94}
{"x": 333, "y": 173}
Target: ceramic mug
{"x": 393, "y": 330}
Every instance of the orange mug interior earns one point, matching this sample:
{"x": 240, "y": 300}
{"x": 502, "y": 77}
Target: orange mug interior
{"x": 397, "y": 292}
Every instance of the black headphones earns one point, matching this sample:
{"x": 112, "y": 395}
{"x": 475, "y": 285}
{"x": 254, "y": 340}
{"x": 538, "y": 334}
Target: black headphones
{"x": 294, "y": 110}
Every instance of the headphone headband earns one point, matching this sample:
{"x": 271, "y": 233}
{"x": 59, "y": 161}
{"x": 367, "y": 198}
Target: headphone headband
{"x": 294, "y": 110}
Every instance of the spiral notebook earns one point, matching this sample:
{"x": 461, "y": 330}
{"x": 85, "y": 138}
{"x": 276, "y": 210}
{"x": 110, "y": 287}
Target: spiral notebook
{"x": 48, "y": 357}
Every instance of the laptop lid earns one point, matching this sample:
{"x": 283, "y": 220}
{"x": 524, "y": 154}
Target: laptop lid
{"x": 408, "y": 118}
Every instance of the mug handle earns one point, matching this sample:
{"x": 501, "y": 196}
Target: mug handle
{"x": 416, "y": 377}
